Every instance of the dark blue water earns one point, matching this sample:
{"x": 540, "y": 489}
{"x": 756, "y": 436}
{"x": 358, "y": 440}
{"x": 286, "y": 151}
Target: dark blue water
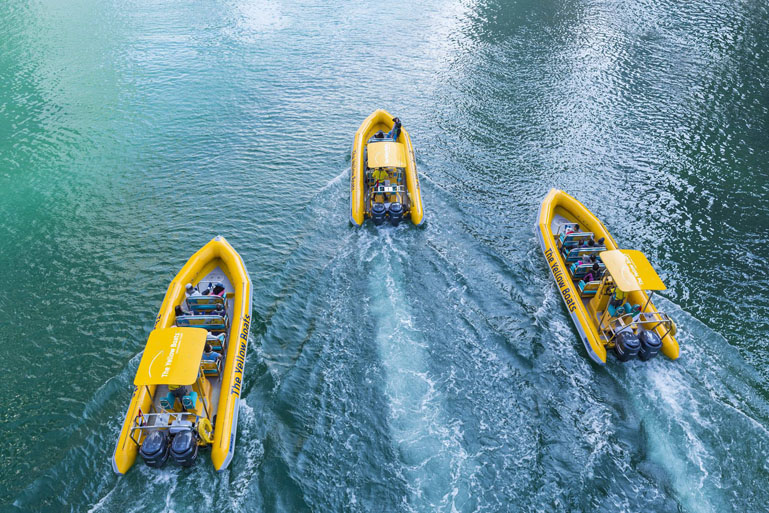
{"x": 402, "y": 369}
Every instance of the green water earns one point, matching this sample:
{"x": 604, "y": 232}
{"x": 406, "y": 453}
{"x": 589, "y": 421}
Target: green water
{"x": 402, "y": 369}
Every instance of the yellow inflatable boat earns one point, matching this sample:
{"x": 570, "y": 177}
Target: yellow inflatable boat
{"x": 188, "y": 384}
{"x": 384, "y": 181}
{"x": 607, "y": 290}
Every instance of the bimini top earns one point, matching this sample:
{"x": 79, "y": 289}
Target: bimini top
{"x": 631, "y": 270}
{"x": 172, "y": 357}
{"x": 386, "y": 154}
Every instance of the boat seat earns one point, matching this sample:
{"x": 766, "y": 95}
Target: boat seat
{"x": 386, "y": 138}
{"x": 190, "y": 400}
{"x": 578, "y": 270}
{"x": 177, "y": 426}
{"x": 217, "y": 342}
{"x": 210, "y": 368}
{"x": 576, "y": 254}
{"x": 204, "y": 303}
{"x": 209, "y": 322}
{"x": 588, "y": 289}
{"x": 168, "y": 402}
{"x": 574, "y": 239}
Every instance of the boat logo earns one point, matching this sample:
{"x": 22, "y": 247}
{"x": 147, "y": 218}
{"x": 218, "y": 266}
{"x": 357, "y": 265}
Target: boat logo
{"x": 634, "y": 270}
{"x": 175, "y": 344}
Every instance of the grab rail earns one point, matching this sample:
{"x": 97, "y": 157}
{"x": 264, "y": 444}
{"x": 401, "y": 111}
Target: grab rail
{"x": 164, "y": 419}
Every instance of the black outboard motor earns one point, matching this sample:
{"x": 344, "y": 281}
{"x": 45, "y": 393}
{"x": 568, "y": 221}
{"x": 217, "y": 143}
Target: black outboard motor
{"x": 378, "y": 213}
{"x": 626, "y": 345}
{"x": 155, "y": 449}
{"x": 650, "y": 345}
{"x": 396, "y": 213}
{"x": 184, "y": 448}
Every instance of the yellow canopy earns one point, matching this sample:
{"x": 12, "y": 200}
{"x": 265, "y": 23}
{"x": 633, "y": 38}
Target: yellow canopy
{"x": 386, "y": 154}
{"x": 172, "y": 357}
{"x": 631, "y": 270}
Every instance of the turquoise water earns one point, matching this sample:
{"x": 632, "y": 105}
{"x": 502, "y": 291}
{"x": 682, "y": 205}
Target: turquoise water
{"x": 402, "y": 369}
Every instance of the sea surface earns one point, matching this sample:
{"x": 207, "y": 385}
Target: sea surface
{"x": 403, "y": 369}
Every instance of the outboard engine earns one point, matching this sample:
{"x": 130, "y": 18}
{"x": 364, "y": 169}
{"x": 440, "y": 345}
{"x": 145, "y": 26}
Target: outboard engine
{"x": 626, "y": 345}
{"x": 650, "y": 345}
{"x": 184, "y": 448}
{"x": 378, "y": 213}
{"x": 155, "y": 449}
{"x": 396, "y": 213}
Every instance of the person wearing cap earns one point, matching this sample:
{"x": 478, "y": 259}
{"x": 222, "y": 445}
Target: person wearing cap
{"x": 189, "y": 290}
{"x": 396, "y": 131}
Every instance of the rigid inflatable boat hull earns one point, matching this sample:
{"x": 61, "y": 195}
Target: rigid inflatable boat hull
{"x": 217, "y": 253}
{"x": 558, "y": 204}
{"x": 381, "y": 120}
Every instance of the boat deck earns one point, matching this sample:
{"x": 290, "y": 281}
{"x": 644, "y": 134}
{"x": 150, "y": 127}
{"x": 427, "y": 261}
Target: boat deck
{"x": 216, "y": 275}
{"x": 555, "y": 224}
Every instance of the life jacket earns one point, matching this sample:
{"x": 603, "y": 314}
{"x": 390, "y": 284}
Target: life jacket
{"x": 380, "y": 174}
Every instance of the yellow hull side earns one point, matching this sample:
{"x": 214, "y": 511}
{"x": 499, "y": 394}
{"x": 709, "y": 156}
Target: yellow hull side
{"x": 381, "y": 120}
{"x": 558, "y": 202}
{"x": 217, "y": 252}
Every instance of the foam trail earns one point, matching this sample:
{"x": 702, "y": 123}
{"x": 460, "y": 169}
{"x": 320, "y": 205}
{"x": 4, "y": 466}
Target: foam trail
{"x": 684, "y": 407}
{"x": 427, "y": 444}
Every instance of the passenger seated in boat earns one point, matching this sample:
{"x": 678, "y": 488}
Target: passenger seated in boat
{"x": 380, "y": 176}
{"x": 179, "y": 391}
{"x": 615, "y": 306}
{"x": 191, "y": 291}
{"x": 208, "y": 289}
{"x": 210, "y": 355}
{"x": 220, "y": 311}
{"x": 218, "y": 289}
{"x": 396, "y": 131}
{"x": 379, "y": 135}
{"x": 216, "y": 341}
{"x": 593, "y": 275}
{"x": 178, "y": 311}
{"x": 574, "y": 229}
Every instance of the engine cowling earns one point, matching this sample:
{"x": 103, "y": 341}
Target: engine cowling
{"x": 396, "y": 213}
{"x": 184, "y": 448}
{"x": 651, "y": 344}
{"x": 155, "y": 448}
{"x": 626, "y": 346}
{"x": 378, "y": 213}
